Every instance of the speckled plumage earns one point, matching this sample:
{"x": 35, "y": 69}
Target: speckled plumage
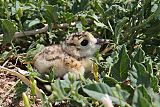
{"x": 70, "y": 56}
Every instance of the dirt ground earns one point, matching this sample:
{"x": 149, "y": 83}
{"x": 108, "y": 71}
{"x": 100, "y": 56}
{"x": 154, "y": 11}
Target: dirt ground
{"x": 7, "y": 92}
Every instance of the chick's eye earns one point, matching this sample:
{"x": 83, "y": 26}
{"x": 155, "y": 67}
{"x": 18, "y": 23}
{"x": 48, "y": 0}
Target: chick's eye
{"x": 84, "y": 42}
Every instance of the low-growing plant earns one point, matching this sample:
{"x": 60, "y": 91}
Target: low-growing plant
{"x": 126, "y": 76}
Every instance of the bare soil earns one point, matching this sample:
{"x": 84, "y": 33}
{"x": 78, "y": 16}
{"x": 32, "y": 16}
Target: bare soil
{"x": 7, "y": 92}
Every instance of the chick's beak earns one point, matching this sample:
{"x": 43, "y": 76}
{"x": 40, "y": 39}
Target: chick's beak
{"x": 102, "y": 41}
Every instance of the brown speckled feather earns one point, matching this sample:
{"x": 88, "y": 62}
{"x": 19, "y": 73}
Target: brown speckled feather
{"x": 73, "y": 55}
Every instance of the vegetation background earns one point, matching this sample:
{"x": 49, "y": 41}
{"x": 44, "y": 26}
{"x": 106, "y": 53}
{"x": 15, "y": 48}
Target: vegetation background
{"x": 129, "y": 74}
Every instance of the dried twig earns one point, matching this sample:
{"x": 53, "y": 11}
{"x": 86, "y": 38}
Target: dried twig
{"x": 41, "y": 30}
{"x": 31, "y": 32}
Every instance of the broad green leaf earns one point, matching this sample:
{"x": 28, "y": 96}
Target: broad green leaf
{"x": 139, "y": 100}
{"x": 139, "y": 56}
{"x": 110, "y": 81}
{"x": 99, "y": 87}
{"x": 142, "y": 75}
{"x": 155, "y": 98}
{"x": 99, "y": 91}
{"x": 33, "y": 22}
{"x": 58, "y": 92}
{"x": 9, "y": 30}
{"x": 51, "y": 14}
{"x": 120, "y": 69}
{"x": 145, "y": 93}
{"x": 154, "y": 83}
{"x": 133, "y": 77}
{"x": 119, "y": 93}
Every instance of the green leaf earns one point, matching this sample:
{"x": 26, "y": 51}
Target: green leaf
{"x": 133, "y": 77}
{"x": 58, "y": 92}
{"x": 33, "y": 86}
{"x": 45, "y": 100}
{"x": 158, "y": 66}
{"x": 119, "y": 27}
{"x": 51, "y": 14}
{"x": 139, "y": 56}
{"x": 149, "y": 66}
{"x": 83, "y": 20}
{"x": 20, "y": 88}
{"x": 93, "y": 17}
{"x": 110, "y": 81}
{"x": 119, "y": 93}
{"x": 32, "y": 52}
{"x": 154, "y": 7}
{"x": 145, "y": 93}
{"x": 154, "y": 83}
{"x": 31, "y": 23}
{"x": 79, "y": 5}
{"x": 20, "y": 12}
{"x": 129, "y": 88}
{"x": 99, "y": 91}
{"x": 51, "y": 74}
{"x": 139, "y": 100}
{"x": 34, "y": 22}
{"x": 99, "y": 87}
{"x": 120, "y": 69}
{"x": 9, "y": 30}
{"x": 97, "y": 22}
{"x": 100, "y": 24}
{"x": 67, "y": 16}
{"x": 25, "y": 100}
{"x": 99, "y": 8}
{"x": 5, "y": 55}
{"x": 79, "y": 26}
{"x": 155, "y": 98}
{"x": 142, "y": 75}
